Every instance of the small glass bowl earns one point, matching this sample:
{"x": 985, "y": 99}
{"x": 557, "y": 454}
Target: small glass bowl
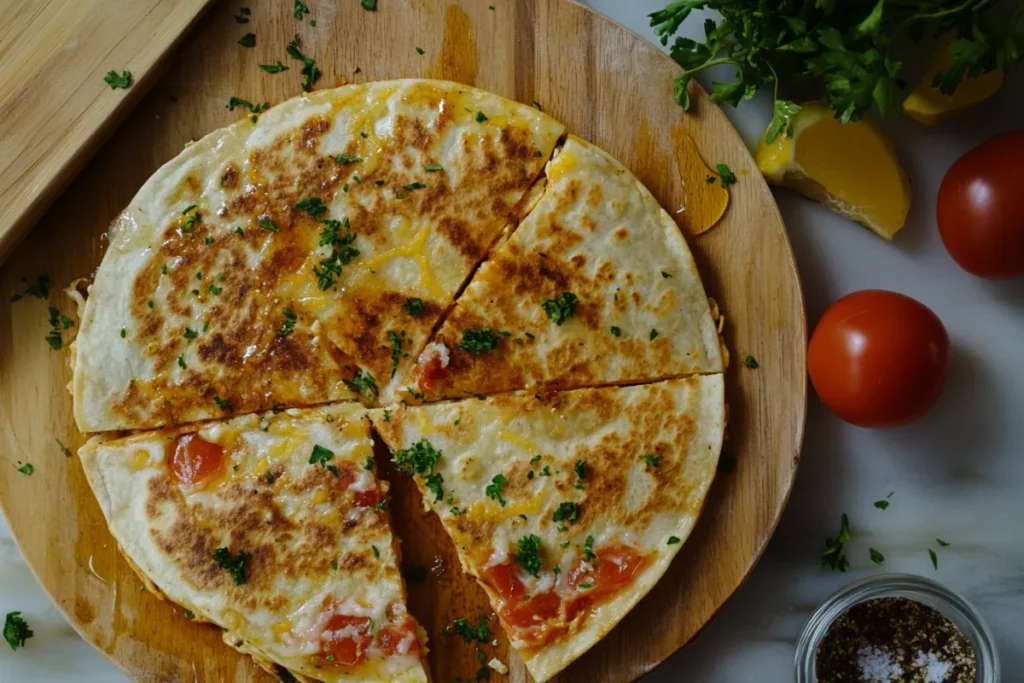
{"x": 917, "y": 588}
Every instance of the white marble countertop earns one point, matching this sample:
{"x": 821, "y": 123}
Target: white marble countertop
{"x": 957, "y": 474}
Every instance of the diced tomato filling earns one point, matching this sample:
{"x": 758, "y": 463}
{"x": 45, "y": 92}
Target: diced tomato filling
{"x": 193, "y": 459}
{"x": 430, "y": 373}
{"x": 345, "y": 638}
{"x": 545, "y": 616}
{"x": 367, "y": 498}
{"x": 390, "y": 637}
{"x": 615, "y": 567}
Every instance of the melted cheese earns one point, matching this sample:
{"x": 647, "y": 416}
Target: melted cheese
{"x": 415, "y": 249}
{"x": 520, "y": 441}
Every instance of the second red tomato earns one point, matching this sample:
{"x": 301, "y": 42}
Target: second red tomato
{"x": 878, "y": 358}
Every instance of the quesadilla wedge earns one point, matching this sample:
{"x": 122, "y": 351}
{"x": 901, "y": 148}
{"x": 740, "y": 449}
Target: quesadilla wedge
{"x": 566, "y": 507}
{"x": 303, "y": 254}
{"x": 596, "y": 286}
{"x": 272, "y": 528}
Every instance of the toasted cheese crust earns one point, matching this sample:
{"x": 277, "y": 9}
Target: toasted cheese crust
{"x": 320, "y": 564}
{"x": 567, "y": 469}
{"x": 228, "y": 289}
{"x": 596, "y": 286}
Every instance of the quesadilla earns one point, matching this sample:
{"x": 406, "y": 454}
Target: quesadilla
{"x": 303, "y": 254}
{"x": 273, "y": 528}
{"x": 596, "y": 286}
{"x": 567, "y": 507}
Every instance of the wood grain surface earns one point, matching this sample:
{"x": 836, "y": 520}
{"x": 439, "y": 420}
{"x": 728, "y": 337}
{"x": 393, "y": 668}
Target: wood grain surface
{"x": 55, "y": 108}
{"x": 609, "y": 86}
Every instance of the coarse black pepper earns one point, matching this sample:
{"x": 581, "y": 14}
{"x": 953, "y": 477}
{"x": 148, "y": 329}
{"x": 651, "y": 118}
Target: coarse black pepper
{"x": 894, "y": 640}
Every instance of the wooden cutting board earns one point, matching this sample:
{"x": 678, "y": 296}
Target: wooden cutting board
{"x": 609, "y": 86}
{"x": 55, "y": 107}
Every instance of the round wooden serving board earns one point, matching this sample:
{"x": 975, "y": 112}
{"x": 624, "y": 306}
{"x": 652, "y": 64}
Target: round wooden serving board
{"x": 608, "y": 86}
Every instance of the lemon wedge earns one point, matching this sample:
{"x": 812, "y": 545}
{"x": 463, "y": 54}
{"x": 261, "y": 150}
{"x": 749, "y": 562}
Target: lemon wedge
{"x": 928, "y": 105}
{"x": 849, "y": 167}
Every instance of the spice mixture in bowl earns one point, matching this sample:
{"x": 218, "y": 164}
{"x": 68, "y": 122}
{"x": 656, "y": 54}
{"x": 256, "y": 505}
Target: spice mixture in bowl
{"x": 895, "y": 629}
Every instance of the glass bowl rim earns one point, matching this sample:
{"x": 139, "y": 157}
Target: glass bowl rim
{"x": 927, "y": 591}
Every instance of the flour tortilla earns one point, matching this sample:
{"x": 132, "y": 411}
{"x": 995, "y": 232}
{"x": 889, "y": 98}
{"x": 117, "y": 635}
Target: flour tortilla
{"x": 318, "y": 544}
{"x": 649, "y": 506}
{"x": 597, "y": 235}
{"x": 208, "y": 301}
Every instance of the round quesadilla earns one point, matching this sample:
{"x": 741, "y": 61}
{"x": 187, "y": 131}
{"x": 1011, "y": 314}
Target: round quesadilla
{"x": 596, "y": 286}
{"x": 303, "y": 254}
{"x": 567, "y": 507}
{"x": 272, "y": 527}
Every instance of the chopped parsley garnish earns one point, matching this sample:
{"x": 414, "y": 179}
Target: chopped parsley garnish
{"x": 188, "y": 613}
{"x": 369, "y": 464}
{"x": 616, "y": 331}
{"x": 480, "y": 117}
{"x": 300, "y": 9}
{"x": 665, "y": 275}
{"x": 456, "y": 511}
{"x": 751, "y": 363}
{"x": 396, "y": 339}
{"x": 435, "y": 482}
{"x": 561, "y": 308}
{"x": 413, "y": 307}
{"x": 288, "y": 324}
{"x": 320, "y": 455}
{"x": 209, "y": 240}
{"x": 243, "y": 15}
{"x": 268, "y": 224}
{"x": 346, "y": 159}
{"x": 882, "y": 504}
{"x": 273, "y": 68}
{"x": 652, "y": 459}
{"x": 310, "y": 72}
{"x": 334, "y": 565}
{"x": 935, "y": 558}
{"x": 342, "y": 252}
{"x": 832, "y": 557}
{"x": 314, "y": 206}
{"x": 376, "y": 553}
{"x": 58, "y": 323}
{"x": 588, "y": 550}
{"x": 63, "y": 449}
{"x": 546, "y": 472}
{"x": 215, "y": 289}
{"x": 580, "y": 467}
{"x": 672, "y": 540}
{"x": 727, "y": 176}
{"x": 387, "y": 415}
{"x": 192, "y": 216}
{"x": 654, "y": 334}
{"x": 363, "y": 384}
{"x": 493, "y": 489}
{"x": 419, "y": 458}
{"x": 567, "y": 511}
{"x": 269, "y": 477}
{"x": 528, "y": 554}
{"x": 181, "y": 361}
{"x": 16, "y": 630}
{"x": 124, "y": 332}
{"x": 254, "y": 108}
{"x": 419, "y": 50}
{"x": 190, "y": 333}
{"x": 383, "y": 503}
{"x": 433, "y": 168}
{"x": 876, "y": 557}
{"x": 370, "y": 5}
{"x": 40, "y": 289}
{"x": 233, "y": 564}
{"x": 585, "y": 586}
{"x": 28, "y": 469}
{"x": 480, "y": 633}
{"x": 942, "y": 544}
{"x": 413, "y": 186}
{"x": 118, "y": 80}
{"x": 248, "y": 40}
{"x": 476, "y": 342}
{"x": 711, "y": 180}
{"x": 223, "y": 404}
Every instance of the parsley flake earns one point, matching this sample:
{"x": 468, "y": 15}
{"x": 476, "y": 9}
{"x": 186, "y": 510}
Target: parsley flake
{"x": 300, "y": 9}
{"x": 876, "y": 557}
{"x": 58, "y": 323}
{"x": 654, "y": 334}
{"x": 751, "y": 362}
{"x": 273, "y": 68}
{"x": 16, "y": 630}
{"x": 320, "y": 455}
{"x": 672, "y": 540}
{"x": 369, "y": 5}
{"x": 480, "y": 117}
{"x": 561, "y": 308}
{"x": 63, "y": 449}
{"x": 223, "y": 404}
{"x": 433, "y": 168}
{"x": 616, "y": 331}
{"x": 480, "y": 633}
{"x": 243, "y": 15}
{"x": 476, "y": 342}
{"x": 364, "y": 384}
{"x": 414, "y": 307}
{"x": 268, "y": 224}
{"x": 652, "y": 459}
{"x": 28, "y": 469}
{"x": 493, "y": 489}
{"x": 727, "y": 176}
{"x": 288, "y": 324}
{"x": 235, "y": 565}
{"x": 528, "y": 554}
{"x": 567, "y": 511}
{"x": 310, "y": 71}
{"x": 248, "y": 40}
{"x": 588, "y": 550}
{"x": 396, "y": 339}
{"x": 832, "y": 557}
{"x": 40, "y": 289}
{"x": 118, "y": 80}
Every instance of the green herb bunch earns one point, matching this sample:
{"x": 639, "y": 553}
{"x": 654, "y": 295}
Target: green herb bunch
{"x": 839, "y": 49}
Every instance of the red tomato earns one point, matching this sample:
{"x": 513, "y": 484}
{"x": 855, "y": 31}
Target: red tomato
{"x": 878, "y": 359}
{"x": 391, "y": 636}
{"x": 345, "y": 638}
{"x": 193, "y": 459}
{"x": 537, "y": 610}
{"x": 504, "y": 581}
{"x": 981, "y": 208}
{"x": 615, "y": 567}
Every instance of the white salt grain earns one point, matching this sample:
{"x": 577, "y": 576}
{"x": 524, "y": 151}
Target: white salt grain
{"x": 935, "y": 670}
{"x": 877, "y": 666}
